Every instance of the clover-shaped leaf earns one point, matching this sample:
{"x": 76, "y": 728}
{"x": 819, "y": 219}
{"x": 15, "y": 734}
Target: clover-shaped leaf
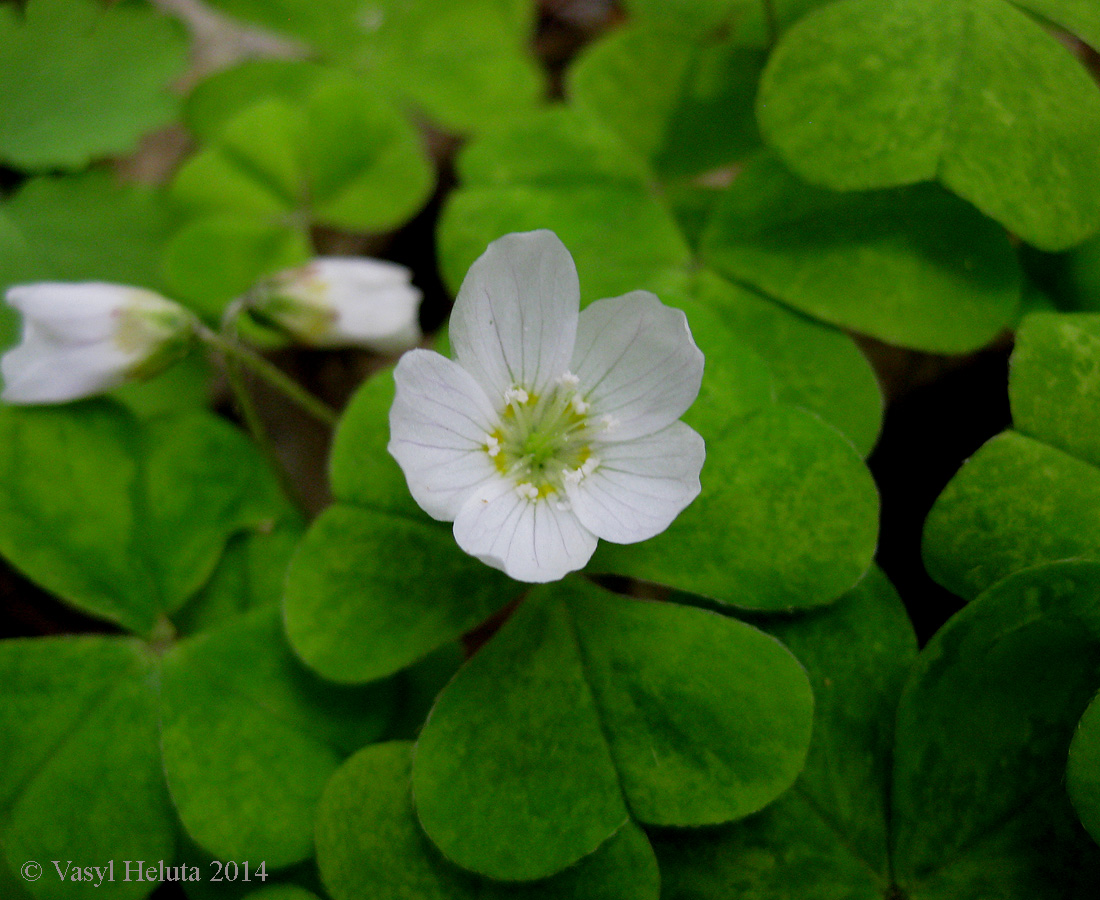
{"x": 369, "y": 844}
{"x": 966, "y": 798}
{"x": 861, "y": 94}
{"x": 465, "y": 65}
{"x": 245, "y": 736}
{"x": 1031, "y": 494}
{"x": 126, "y": 519}
{"x": 588, "y": 710}
{"x": 63, "y": 116}
{"x": 1083, "y": 772}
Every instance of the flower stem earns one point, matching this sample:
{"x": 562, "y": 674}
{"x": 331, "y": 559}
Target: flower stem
{"x": 235, "y": 354}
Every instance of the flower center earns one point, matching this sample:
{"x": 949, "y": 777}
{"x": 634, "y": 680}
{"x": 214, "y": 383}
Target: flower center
{"x": 544, "y": 441}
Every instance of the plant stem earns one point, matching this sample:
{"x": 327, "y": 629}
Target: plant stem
{"x": 235, "y": 354}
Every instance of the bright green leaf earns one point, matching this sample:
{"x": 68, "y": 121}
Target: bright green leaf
{"x": 249, "y": 739}
{"x": 861, "y": 94}
{"x": 465, "y": 65}
{"x": 342, "y": 158}
{"x": 360, "y": 604}
{"x": 788, "y": 518}
{"x": 913, "y": 266}
{"x": 369, "y": 844}
{"x": 588, "y": 708}
{"x": 80, "y": 81}
{"x": 124, "y": 519}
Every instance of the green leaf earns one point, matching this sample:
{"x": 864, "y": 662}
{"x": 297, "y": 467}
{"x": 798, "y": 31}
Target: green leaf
{"x": 249, "y": 739}
{"x": 814, "y": 366}
{"x": 912, "y": 266}
{"x": 788, "y": 518}
{"x": 861, "y": 94}
{"x": 652, "y": 85}
{"x": 215, "y": 259}
{"x": 979, "y": 805}
{"x": 123, "y": 519}
{"x": 1055, "y": 382}
{"x": 465, "y": 65}
{"x": 360, "y": 604}
{"x": 250, "y": 575}
{"x": 1083, "y": 772}
{"x": 1031, "y": 495}
{"x": 342, "y": 158}
{"x": 283, "y": 892}
{"x": 561, "y": 171}
{"x": 361, "y": 469}
{"x": 80, "y": 723}
{"x": 217, "y": 99}
{"x": 370, "y": 845}
{"x": 85, "y": 228}
{"x": 63, "y": 116}
{"x": 587, "y": 709}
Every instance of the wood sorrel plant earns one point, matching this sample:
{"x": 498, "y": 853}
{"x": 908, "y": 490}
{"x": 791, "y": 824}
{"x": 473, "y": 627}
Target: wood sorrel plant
{"x": 725, "y": 697}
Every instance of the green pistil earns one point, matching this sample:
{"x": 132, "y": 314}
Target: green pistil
{"x": 540, "y": 439}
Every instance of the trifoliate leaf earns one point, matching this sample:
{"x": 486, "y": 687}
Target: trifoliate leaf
{"x": 79, "y": 80}
{"x": 123, "y": 519}
{"x": 465, "y": 65}
{"x": 587, "y": 709}
{"x": 972, "y": 93}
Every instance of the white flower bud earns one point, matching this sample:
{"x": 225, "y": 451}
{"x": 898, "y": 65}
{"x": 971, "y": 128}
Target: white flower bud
{"x": 343, "y": 301}
{"x": 81, "y": 339}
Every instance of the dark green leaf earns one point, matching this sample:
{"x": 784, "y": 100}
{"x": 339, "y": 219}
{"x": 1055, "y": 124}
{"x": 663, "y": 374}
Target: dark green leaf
{"x": 370, "y": 845}
{"x": 587, "y": 708}
{"x": 79, "y": 720}
{"x": 1083, "y": 773}
{"x": 979, "y": 805}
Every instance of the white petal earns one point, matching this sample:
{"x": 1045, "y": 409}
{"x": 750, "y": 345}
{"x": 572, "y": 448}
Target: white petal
{"x": 529, "y": 540}
{"x": 376, "y": 305}
{"x": 637, "y": 364}
{"x": 515, "y": 319}
{"x": 80, "y": 312}
{"x": 438, "y": 426}
{"x": 639, "y": 486}
{"x": 40, "y": 371}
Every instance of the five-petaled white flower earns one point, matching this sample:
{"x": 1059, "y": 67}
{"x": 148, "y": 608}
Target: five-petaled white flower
{"x": 343, "y": 301}
{"x": 551, "y": 428}
{"x": 84, "y": 338}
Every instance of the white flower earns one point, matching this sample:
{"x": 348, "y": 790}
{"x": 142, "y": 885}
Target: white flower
{"x": 551, "y": 428}
{"x": 85, "y": 338}
{"x": 343, "y": 301}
